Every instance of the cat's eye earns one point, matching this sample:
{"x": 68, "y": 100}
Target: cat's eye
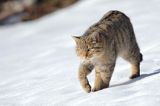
{"x": 97, "y": 47}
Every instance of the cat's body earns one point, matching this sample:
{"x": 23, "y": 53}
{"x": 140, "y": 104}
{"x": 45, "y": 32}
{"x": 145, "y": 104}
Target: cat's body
{"x": 100, "y": 45}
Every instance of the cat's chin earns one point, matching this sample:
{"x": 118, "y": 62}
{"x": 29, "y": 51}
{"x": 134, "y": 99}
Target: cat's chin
{"x": 84, "y": 59}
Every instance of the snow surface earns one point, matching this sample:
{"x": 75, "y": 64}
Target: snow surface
{"x": 38, "y": 64}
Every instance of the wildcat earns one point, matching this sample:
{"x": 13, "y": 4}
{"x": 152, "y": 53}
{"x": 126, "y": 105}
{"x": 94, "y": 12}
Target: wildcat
{"x": 101, "y": 44}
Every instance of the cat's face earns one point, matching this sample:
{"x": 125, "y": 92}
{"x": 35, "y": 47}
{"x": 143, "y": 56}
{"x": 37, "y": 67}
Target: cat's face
{"x": 88, "y": 47}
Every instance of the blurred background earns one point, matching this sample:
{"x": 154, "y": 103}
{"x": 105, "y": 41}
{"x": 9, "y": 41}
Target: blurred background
{"x": 14, "y": 11}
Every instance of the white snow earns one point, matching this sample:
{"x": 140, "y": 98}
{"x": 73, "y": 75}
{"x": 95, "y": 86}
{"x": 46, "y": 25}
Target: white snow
{"x": 38, "y": 64}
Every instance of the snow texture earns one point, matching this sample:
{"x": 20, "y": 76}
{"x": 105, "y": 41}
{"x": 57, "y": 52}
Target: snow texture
{"x": 39, "y": 67}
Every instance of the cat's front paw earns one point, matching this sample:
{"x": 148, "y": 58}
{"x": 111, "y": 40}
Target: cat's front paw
{"x": 94, "y": 90}
{"x": 87, "y": 88}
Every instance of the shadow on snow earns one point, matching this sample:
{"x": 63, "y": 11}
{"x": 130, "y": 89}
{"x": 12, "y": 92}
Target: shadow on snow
{"x": 137, "y": 79}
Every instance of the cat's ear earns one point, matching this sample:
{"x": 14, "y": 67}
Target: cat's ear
{"x": 76, "y": 38}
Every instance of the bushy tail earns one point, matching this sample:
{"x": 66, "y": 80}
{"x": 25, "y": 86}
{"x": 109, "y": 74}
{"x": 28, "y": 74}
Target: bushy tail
{"x": 141, "y": 57}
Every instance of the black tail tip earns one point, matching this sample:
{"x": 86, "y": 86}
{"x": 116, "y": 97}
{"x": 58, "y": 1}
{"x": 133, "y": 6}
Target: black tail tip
{"x": 141, "y": 57}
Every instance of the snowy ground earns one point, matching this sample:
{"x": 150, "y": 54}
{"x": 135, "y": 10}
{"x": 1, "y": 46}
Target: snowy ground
{"x": 38, "y": 64}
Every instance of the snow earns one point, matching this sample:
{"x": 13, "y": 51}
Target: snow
{"x": 39, "y": 67}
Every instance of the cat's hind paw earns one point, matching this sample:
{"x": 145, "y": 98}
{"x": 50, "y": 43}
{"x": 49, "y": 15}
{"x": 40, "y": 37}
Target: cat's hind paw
{"x": 134, "y": 76}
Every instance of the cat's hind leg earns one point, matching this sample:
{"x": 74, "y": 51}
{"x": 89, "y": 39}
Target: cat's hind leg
{"x": 135, "y": 65}
{"x": 135, "y": 69}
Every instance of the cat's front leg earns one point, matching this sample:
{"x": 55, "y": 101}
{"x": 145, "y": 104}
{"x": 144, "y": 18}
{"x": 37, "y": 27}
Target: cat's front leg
{"x": 106, "y": 74}
{"x": 98, "y": 84}
{"x": 103, "y": 76}
{"x": 106, "y": 77}
{"x": 84, "y": 70}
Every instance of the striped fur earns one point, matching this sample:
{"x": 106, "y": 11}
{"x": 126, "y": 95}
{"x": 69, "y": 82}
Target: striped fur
{"x": 100, "y": 45}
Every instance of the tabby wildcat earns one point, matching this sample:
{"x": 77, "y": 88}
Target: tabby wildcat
{"x": 100, "y": 45}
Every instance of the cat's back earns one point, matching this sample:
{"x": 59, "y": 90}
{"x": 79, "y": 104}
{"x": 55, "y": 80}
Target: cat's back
{"x": 111, "y": 21}
{"x": 116, "y": 26}
{"x": 114, "y": 16}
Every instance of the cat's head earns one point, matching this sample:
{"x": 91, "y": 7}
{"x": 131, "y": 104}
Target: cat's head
{"x": 89, "y": 46}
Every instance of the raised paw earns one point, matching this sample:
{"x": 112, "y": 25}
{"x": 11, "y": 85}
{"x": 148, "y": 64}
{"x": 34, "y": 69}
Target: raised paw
{"x": 87, "y": 88}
